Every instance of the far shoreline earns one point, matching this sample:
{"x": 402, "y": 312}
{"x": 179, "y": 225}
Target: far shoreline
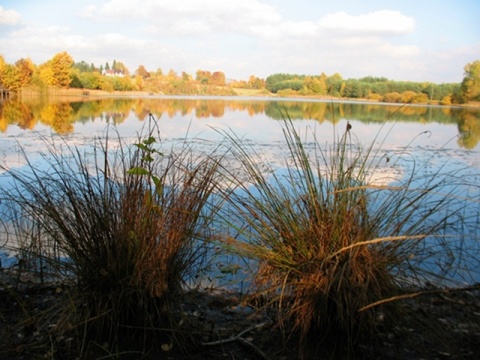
{"x": 86, "y": 95}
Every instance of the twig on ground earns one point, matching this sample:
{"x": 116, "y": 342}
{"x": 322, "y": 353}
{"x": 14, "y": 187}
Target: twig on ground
{"x": 242, "y": 340}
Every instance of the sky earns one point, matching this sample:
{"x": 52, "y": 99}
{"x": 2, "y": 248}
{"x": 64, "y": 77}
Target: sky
{"x": 411, "y": 40}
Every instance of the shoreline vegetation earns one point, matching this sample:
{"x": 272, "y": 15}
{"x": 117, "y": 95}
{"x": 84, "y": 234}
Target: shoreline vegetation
{"x": 87, "y": 95}
{"x": 336, "y": 265}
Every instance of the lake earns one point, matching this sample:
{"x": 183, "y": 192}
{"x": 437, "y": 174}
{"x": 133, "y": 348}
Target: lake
{"x": 442, "y": 139}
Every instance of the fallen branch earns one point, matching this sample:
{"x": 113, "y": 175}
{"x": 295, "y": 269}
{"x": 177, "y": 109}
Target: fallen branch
{"x": 242, "y": 340}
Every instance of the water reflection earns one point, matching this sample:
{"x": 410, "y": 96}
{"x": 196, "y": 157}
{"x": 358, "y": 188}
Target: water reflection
{"x": 63, "y": 115}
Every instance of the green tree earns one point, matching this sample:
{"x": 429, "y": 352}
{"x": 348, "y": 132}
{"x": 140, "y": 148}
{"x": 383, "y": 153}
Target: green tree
{"x": 83, "y": 66}
{"x": 91, "y": 80}
{"x": 277, "y": 82}
{"x": 75, "y": 81}
{"x": 119, "y": 66}
{"x": 335, "y": 84}
{"x": 470, "y": 87}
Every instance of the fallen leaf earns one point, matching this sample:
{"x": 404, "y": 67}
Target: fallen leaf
{"x": 167, "y": 347}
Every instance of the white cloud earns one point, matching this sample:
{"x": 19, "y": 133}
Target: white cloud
{"x": 301, "y": 29}
{"x": 9, "y": 17}
{"x": 383, "y": 22}
{"x": 399, "y": 51}
{"x": 240, "y": 38}
{"x": 188, "y": 17}
{"x": 45, "y": 32}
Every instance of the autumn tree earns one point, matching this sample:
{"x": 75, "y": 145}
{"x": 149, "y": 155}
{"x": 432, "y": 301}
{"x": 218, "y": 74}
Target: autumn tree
{"x": 203, "y": 77}
{"x": 186, "y": 76}
{"x": 172, "y": 75}
{"x": 25, "y": 69}
{"x": 316, "y": 85}
{"x": 61, "y": 64}
{"x": 45, "y": 74}
{"x": 470, "y": 87}
{"x": 255, "y": 82}
{"x": 217, "y": 78}
{"x": 142, "y": 72}
{"x": 10, "y": 77}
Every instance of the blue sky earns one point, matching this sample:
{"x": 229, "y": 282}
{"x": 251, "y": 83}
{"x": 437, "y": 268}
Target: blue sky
{"x": 418, "y": 40}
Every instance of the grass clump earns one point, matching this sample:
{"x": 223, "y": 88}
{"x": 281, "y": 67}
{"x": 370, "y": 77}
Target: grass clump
{"x": 331, "y": 240}
{"x": 124, "y": 224}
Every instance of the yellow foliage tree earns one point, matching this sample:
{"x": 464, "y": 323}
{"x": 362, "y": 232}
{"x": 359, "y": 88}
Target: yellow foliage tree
{"x": 45, "y": 74}
{"x": 9, "y": 77}
{"x": 61, "y": 65}
{"x": 25, "y": 69}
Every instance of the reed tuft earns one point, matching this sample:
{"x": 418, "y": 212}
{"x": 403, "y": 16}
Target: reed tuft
{"x": 330, "y": 239}
{"x": 126, "y": 224}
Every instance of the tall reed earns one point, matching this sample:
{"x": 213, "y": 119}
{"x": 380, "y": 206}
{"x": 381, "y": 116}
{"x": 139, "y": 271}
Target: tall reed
{"x": 127, "y": 224}
{"x": 330, "y": 240}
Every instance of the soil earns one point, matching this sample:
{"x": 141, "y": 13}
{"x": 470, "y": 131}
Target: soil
{"x": 437, "y": 325}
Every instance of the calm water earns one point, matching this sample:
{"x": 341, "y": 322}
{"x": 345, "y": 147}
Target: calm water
{"x": 450, "y": 136}
{"x": 441, "y": 137}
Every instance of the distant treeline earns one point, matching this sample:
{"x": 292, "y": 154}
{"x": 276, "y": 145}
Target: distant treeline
{"x": 374, "y": 88}
{"x": 63, "y": 72}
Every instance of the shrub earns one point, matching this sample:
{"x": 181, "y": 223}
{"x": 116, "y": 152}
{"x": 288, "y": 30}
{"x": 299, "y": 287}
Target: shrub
{"x": 287, "y": 92}
{"x": 447, "y": 100}
{"x": 407, "y": 96}
{"x": 392, "y": 97}
{"x": 375, "y": 97}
